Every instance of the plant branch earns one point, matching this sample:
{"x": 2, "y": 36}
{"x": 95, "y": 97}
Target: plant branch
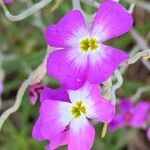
{"x": 35, "y": 77}
{"x": 135, "y": 58}
{"x": 117, "y": 85}
{"x": 139, "y": 92}
{"x": 36, "y": 7}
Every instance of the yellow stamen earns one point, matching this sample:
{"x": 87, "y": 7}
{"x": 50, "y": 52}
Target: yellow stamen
{"x": 78, "y": 109}
{"x": 89, "y": 44}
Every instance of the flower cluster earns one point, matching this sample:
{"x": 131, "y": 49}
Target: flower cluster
{"x": 80, "y": 61}
{"x": 130, "y": 115}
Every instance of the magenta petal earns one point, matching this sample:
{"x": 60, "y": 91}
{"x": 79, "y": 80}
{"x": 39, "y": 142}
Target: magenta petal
{"x": 54, "y": 94}
{"x": 59, "y": 140}
{"x": 111, "y": 20}
{"x": 36, "y": 130}
{"x": 104, "y": 110}
{"x": 55, "y": 117}
{"x": 125, "y": 105}
{"x": 104, "y": 62}
{"x": 116, "y": 123}
{"x": 68, "y": 31}
{"x": 67, "y": 67}
{"x": 87, "y": 91}
{"x": 140, "y": 114}
{"x": 81, "y": 138}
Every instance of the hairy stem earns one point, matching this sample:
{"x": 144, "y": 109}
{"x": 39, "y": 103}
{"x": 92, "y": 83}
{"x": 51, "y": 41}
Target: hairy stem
{"x": 139, "y": 92}
{"x": 135, "y": 58}
{"x": 116, "y": 86}
{"x": 35, "y": 77}
{"x": 36, "y": 7}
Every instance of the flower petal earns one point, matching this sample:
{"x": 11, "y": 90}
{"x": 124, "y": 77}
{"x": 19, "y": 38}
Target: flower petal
{"x": 125, "y": 105}
{"x": 59, "y": 140}
{"x": 140, "y": 114}
{"x": 36, "y": 133}
{"x": 111, "y": 20}
{"x": 54, "y": 94}
{"x": 116, "y": 123}
{"x": 68, "y": 66}
{"x": 78, "y": 139}
{"x": 85, "y": 91}
{"x": 68, "y": 31}
{"x": 104, "y": 110}
{"x": 56, "y": 116}
{"x": 104, "y": 62}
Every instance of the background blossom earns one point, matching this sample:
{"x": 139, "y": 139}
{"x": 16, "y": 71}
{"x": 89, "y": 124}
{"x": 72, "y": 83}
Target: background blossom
{"x": 148, "y": 133}
{"x": 34, "y": 91}
{"x": 1, "y": 87}
{"x": 8, "y": 1}
{"x": 130, "y": 115}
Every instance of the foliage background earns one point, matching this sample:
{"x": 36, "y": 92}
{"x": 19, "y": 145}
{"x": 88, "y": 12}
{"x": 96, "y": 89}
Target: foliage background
{"x": 23, "y": 46}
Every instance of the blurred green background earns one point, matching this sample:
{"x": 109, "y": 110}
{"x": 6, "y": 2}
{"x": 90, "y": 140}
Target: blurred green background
{"x": 24, "y": 47}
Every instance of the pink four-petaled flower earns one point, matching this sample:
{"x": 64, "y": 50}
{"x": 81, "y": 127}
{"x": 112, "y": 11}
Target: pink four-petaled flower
{"x": 64, "y": 121}
{"x": 131, "y": 115}
{"x": 80, "y": 54}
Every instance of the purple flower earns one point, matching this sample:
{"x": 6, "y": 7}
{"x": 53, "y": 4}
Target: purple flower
{"x": 8, "y": 1}
{"x": 80, "y": 54}
{"x": 130, "y": 115}
{"x": 34, "y": 91}
{"x": 1, "y": 87}
{"x": 64, "y": 121}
